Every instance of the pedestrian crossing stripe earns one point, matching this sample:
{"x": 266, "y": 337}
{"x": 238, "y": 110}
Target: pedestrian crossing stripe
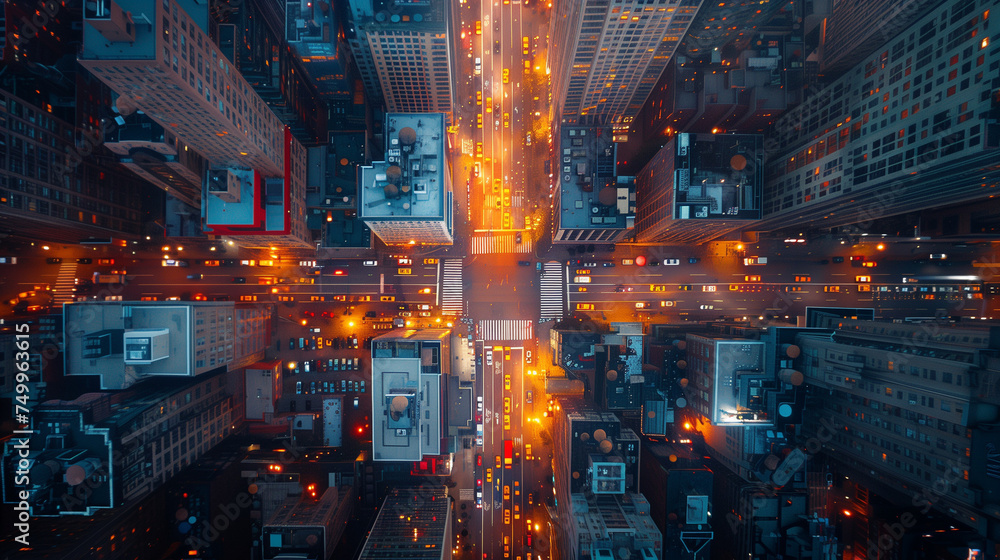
{"x": 452, "y": 300}
{"x": 492, "y": 330}
{"x": 504, "y": 242}
{"x": 552, "y": 293}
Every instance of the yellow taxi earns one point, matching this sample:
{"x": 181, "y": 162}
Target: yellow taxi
{"x": 524, "y": 45}
{"x": 506, "y": 405}
{"x": 506, "y": 120}
{"x": 404, "y": 271}
{"x": 506, "y": 421}
{"x": 498, "y": 461}
{"x": 430, "y": 261}
{"x": 860, "y": 279}
{"x": 479, "y": 98}
{"x": 489, "y": 104}
{"x": 479, "y": 120}
{"x": 517, "y": 483}
{"x": 506, "y": 381}
{"x": 506, "y": 75}
{"x": 489, "y": 475}
{"x": 479, "y": 28}
{"x": 657, "y": 288}
{"x": 506, "y": 517}
{"x": 496, "y": 186}
{"x": 479, "y": 149}
{"x": 506, "y": 492}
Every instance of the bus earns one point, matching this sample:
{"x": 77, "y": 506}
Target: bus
{"x": 508, "y": 453}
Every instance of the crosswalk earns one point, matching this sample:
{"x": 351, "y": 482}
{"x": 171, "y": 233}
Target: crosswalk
{"x": 493, "y": 330}
{"x": 452, "y": 300}
{"x": 62, "y": 290}
{"x": 551, "y": 288}
{"x": 500, "y": 242}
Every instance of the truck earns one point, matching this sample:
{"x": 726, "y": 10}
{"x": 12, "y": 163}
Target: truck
{"x": 108, "y": 278}
{"x": 508, "y": 453}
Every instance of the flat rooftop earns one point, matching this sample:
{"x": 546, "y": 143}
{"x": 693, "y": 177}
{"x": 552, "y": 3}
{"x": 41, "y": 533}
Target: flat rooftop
{"x": 591, "y": 196}
{"x": 410, "y": 184}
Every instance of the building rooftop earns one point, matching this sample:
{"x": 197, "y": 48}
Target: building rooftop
{"x": 410, "y": 184}
{"x": 422, "y": 514}
{"x": 591, "y": 195}
{"x": 407, "y": 365}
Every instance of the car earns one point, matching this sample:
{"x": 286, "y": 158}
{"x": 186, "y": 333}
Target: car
{"x": 833, "y": 289}
{"x": 291, "y": 344}
{"x": 479, "y": 120}
{"x": 506, "y": 491}
{"x": 583, "y": 271}
{"x": 803, "y": 278}
{"x": 938, "y": 256}
{"x": 524, "y": 45}
{"x": 506, "y": 120}
{"x": 684, "y": 287}
{"x": 248, "y": 298}
{"x": 506, "y": 517}
{"x": 195, "y": 276}
{"x": 657, "y": 288}
{"x": 642, "y": 305}
{"x": 506, "y": 75}
{"x": 531, "y": 499}
{"x": 528, "y": 396}
{"x": 53, "y": 260}
{"x": 667, "y": 303}
{"x": 793, "y": 288}
{"x": 585, "y": 307}
{"x": 506, "y": 405}
{"x": 751, "y": 278}
{"x": 405, "y": 261}
{"x": 506, "y": 381}
{"x": 581, "y": 279}
{"x": 705, "y": 306}
{"x": 734, "y": 287}
{"x": 496, "y": 47}
{"x": 174, "y": 262}
{"x": 860, "y": 279}
{"x": 370, "y": 263}
{"x": 479, "y": 27}
{"x": 608, "y": 264}
{"x": 708, "y": 288}
{"x": 105, "y": 262}
{"x": 869, "y": 264}
{"x": 693, "y": 260}
{"x": 517, "y": 511}
{"x": 305, "y": 366}
{"x": 671, "y": 261}
{"x": 856, "y": 260}
{"x": 628, "y": 262}
{"x": 83, "y": 260}
{"x": 404, "y": 271}
{"x": 837, "y": 259}
{"x": 506, "y": 421}
{"x": 527, "y": 356}
{"x": 298, "y": 387}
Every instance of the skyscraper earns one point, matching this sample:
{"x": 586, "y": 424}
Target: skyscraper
{"x": 403, "y": 50}
{"x": 907, "y": 408}
{"x": 607, "y": 57}
{"x": 912, "y": 123}
{"x": 161, "y": 57}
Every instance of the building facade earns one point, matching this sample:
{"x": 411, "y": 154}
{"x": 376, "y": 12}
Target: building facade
{"x": 53, "y": 189}
{"x": 169, "y": 67}
{"x": 609, "y": 56}
{"x": 912, "y": 121}
{"x": 909, "y": 406}
{"x": 423, "y": 514}
{"x": 403, "y": 50}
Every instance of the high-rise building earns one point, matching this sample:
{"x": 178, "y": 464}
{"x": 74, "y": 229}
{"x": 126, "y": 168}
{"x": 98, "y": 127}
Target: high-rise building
{"x": 853, "y": 29}
{"x": 699, "y": 187}
{"x": 607, "y": 57}
{"x": 308, "y": 526}
{"x": 423, "y": 514}
{"x": 169, "y": 67}
{"x": 910, "y": 409}
{"x": 593, "y": 203}
{"x": 404, "y": 52}
{"x": 263, "y": 384}
{"x": 409, "y": 368}
{"x": 126, "y": 342}
{"x": 51, "y": 188}
{"x": 106, "y": 450}
{"x": 407, "y": 199}
{"x": 910, "y": 124}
